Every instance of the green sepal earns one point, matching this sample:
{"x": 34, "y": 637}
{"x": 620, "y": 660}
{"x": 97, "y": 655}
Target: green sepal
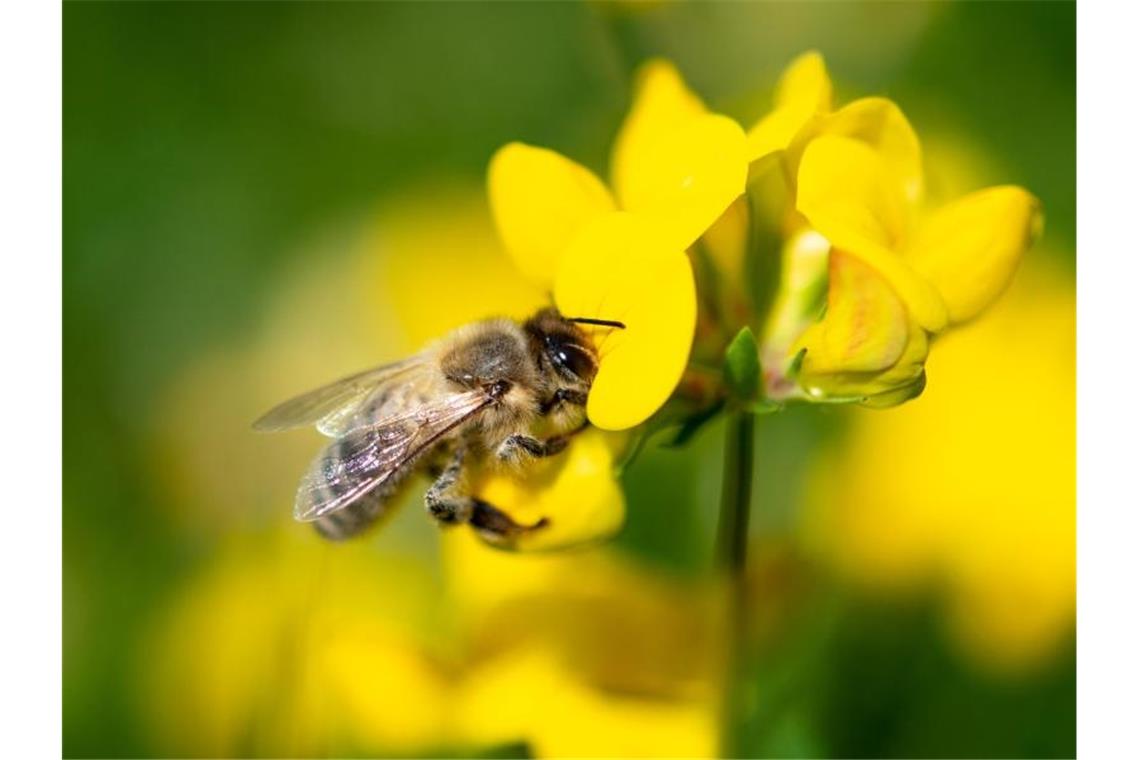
{"x": 742, "y": 366}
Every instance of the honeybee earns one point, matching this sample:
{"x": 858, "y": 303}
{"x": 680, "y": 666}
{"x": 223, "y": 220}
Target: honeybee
{"x": 476, "y": 397}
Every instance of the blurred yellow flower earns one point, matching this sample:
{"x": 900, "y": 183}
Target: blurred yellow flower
{"x": 530, "y": 694}
{"x": 973, "y": 486}
{"x": 583, "y": 653}
{"x": 621, "y": 256}
{"x": 286, "y": 646}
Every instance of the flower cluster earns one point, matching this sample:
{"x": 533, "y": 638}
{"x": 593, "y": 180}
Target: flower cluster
{"x": 822, "y": 209}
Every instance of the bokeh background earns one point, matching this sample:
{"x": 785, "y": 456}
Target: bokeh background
{"x": 258, "y": 197}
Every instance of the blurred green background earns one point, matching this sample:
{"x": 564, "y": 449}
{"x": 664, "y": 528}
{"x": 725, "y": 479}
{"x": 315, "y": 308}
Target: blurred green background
{"x": 215, "y": 154}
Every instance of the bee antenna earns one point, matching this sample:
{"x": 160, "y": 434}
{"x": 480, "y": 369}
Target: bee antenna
{"x": 599, "y": 322}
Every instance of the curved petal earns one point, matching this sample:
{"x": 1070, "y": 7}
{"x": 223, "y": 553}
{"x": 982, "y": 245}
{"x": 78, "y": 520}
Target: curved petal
{"x": 804, "y": 90}
{"x": 673, "y": 159}
{"x": 775, "y": 131}
{"x": 575, "y": 492}
{"x": 623, "y": 267}
{"x": 848, "y": 196}
{"x": 970, "y": 249}
{"x": 844, "y": 191}
{"x": 881, "y": 125}
{"x": 900, "y": 382}
{"x": 865, "y": 328}
{"x": 685, "y": 176}
{"x": 540, "y": 199}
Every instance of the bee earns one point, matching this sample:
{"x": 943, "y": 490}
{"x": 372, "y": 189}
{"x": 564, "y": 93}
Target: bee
{"x": 477, "y": 397}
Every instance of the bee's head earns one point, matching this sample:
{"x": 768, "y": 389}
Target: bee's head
{"x": 564, "y": 348}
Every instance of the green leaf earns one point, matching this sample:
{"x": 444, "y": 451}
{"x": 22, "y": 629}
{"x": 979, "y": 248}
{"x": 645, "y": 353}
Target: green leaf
{"x": 742, "y": 366}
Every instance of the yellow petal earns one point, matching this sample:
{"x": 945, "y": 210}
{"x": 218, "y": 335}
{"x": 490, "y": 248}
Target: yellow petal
{"x": 540, "y": 199}
{"x": 804, "y": 90}
{"x": 866, "y": 348}
{"x": 623, "y": 267}
{"x": 661, "y": 101}
{"x": 881, "y": 125}
{"x": 684, "y": 176}
{"x": 847, "y": 194}
{"x": 805, "y": 80}
{"x": 726, "y": 241}
{"x": 575, "y": 492}
{"x": 970, "y": 249}
{"x": 865, "y": 329}
{"x": 674, "y": 160}
{"x": 775, "y": 131}
{"x": 898, "y": 383}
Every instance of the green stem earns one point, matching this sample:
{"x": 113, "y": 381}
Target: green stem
{"x": 732, "y": 553}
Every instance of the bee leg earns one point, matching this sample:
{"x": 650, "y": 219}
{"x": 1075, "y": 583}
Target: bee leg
{"x": 495, "y": 526}
{"x": 561, "y": 395}
{"x": 520, "y": 446}
{"x": 516, "y": 447}
{"x": 444, "y": 499}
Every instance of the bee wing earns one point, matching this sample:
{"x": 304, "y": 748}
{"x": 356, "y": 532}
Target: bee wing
{"x": 367, "y": 457}
{"x": 330, "y": 404}
{"x": 393, "y": 396}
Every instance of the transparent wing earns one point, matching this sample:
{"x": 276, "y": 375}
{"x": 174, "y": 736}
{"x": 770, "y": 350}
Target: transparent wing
{"x": 336, "y": 401}
{"x": 390, "y": 398}
{"x": 367, "y": 457}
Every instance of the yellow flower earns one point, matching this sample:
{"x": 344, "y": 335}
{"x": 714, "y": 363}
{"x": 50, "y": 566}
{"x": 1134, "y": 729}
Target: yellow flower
{"x": 973, "y": 488}
{"x": 894, "y": 277}
{"x": 621, "y": 255}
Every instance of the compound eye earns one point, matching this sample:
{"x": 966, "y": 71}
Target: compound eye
{"x": 574, "y": 359}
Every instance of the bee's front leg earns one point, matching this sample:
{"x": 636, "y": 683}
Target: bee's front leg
{"x": 520, "y": 446}
{"x": 562, "y": 395}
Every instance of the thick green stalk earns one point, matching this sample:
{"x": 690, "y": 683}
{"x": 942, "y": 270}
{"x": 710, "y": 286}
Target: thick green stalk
{"x": 732, "y": 553}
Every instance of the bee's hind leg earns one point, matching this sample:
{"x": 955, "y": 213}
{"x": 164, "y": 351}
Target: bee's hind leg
{"x": 496, "y": 526}
{"x": 449, "y": 503}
